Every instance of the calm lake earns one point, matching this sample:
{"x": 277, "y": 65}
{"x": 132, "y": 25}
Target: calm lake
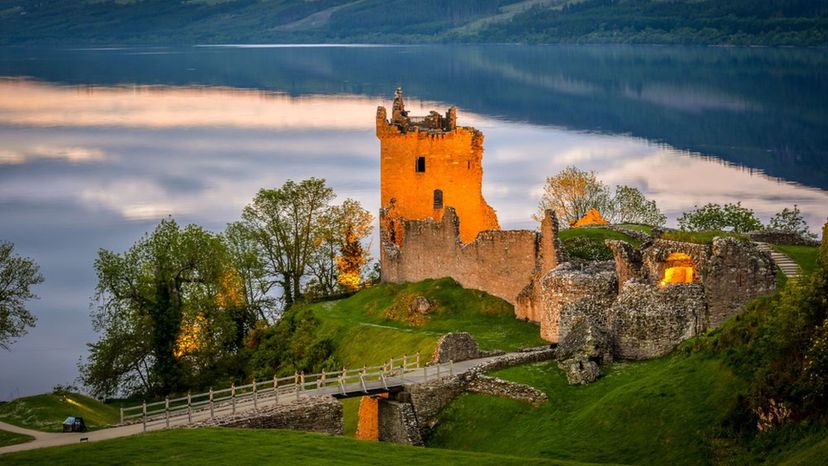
{"x": 97, "y": 145}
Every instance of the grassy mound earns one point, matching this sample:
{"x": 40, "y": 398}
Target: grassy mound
{"x": 10, "y": 438}
{"x": 47, "y": 412}
{"x": 248, "y": 446}
{"x": 588, "y": 242}
{"x": 373, "y": 325}
{"x": 699, "y": 237}
{"x": 651, "y": 412}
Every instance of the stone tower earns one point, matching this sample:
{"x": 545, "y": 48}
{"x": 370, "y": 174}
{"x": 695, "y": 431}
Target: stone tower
{"x": 427, "y": 164}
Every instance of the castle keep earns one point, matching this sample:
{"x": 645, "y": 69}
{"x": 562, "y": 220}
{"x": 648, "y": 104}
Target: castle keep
{"x": 434, "y": 223}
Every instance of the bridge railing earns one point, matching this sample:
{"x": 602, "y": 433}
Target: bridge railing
{"x": 207, "y": 405}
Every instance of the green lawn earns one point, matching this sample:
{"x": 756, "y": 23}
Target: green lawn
{"x": 10, "y": 438}
{"x": 804, "y": 256}
{"x": 651, "y": 412}
{"x": 370, "y": 327}
{"x": 47, "y": 412}
{"x": 350, "y": 415}
{"x": 248, "y": 446}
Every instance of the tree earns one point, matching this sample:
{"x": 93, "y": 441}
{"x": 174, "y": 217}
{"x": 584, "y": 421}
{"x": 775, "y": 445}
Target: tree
{"x": 286, "y": 224}
{"x": 354, "y": 225}
{"x": 630, "y": 206}
{"x": 791, "y": 221}
{"x": 168, "y": 309}
{"x": 252, "y": 272}
{"x": 17, "y": 276}
{"x": 717, "y": 217}
{"x": 571, "y": 193}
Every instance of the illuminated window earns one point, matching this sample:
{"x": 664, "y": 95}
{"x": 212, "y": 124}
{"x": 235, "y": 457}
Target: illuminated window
{"x": 438, "y": 199}
{"x": 420, "y": 164}
{"x": 679, "y": 269}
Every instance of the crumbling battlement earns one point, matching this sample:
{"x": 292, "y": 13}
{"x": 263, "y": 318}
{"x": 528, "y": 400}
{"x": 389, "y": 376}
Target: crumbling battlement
{"x": 427, "y": 164}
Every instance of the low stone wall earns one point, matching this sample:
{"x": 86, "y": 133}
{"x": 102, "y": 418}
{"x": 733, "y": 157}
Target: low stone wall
{"x": 494, "y": 386}
{"x": 780, "y": 237}
{"x": 316, "y": 414}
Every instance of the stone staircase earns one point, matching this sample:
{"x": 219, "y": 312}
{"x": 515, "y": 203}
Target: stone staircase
{"x": 785, "y": 263}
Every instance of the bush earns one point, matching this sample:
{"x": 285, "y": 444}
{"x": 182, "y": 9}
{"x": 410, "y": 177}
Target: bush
{"x": 722, "y": 218}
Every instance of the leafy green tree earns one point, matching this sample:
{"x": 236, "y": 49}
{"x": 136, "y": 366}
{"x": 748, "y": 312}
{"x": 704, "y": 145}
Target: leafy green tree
{"x": 630, "y": 206}
{"x": 791, "y": 221}
{"x": 168, "y": 309}
{"x": 717, "y": 217}
{"x": 286, "y": 224}
{"x": 252, "y": 272}
{"x": 17, "y": 276}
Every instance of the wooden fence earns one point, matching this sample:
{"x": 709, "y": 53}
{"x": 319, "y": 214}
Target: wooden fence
{"x": 202, "y": 406}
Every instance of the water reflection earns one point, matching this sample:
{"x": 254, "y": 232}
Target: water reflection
{"x": 91, "y": 166}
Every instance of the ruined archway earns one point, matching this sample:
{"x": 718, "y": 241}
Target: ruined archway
{"x": 678, "y": 268}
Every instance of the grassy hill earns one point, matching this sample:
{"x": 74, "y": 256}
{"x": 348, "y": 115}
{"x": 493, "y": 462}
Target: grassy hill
{"x": 767, "y": 22}
{"x": 245, "y": 446}
{"x": 47, "y": 412}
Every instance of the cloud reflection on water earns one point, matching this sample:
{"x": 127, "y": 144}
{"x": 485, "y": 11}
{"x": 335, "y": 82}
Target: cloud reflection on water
{"x": 83, "y": 168}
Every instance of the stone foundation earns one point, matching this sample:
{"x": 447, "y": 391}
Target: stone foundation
{"x": 317, "y": 414}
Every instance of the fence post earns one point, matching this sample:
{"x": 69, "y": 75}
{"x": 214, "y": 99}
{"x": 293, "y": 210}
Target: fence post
{"x": 122, "y": 414}
{"x": 233, "y": 396}
{"x": 275, "y": 388}
{"x": 189, "y": 408}
{"x": 255, "y": 396}
{"x": 167, "y": 411}
{"x": 418, "y": 359}
{"x": 145, "y": 415}
{"x": 405, "y": 364}
{"x": 321, "y": 381}
{"x": 391, "y": 364}
{"x": 425, "y": 373}
{"x": 362, "y": 379}
{"x": 302, "y": 380}
{"x": 212, "y": 416}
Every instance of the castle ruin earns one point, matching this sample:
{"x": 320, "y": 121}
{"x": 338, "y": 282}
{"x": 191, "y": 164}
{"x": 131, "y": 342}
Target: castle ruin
{"x": 434, "y": 223}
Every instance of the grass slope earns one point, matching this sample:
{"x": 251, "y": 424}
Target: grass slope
{"x": 248, "y": 446}
{"x": 47, "y": 412}
{"x": 652, "y": 412}
{"x": 10, "y": 438}
{"x": 372, "y": 326}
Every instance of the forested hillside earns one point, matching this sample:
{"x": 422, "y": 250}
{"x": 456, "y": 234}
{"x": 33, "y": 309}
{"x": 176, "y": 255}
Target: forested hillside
{"x": 739, "y": 22}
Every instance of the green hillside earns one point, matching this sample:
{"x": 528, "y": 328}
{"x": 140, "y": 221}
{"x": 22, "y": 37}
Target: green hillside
{"x": 766, "y": 22}
{"x": 247, "y": 446}
{"x": 47, "y": 412}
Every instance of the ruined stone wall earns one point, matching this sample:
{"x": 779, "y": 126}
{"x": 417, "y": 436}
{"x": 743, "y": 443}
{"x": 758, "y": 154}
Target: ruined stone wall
{"x": 316, "y": 414}
{"x": 493, "y": 386}
{"x": 500, "y": 263}
{"x": 456, "y": 346}
{"x": 649, "y": 321}
{"x": 736, "y": 273}
{"x": 654, "y": 258}
{"x": 453, "y": 164}
{"x": 398, "y": 423}
{"x": 571, "y": 289}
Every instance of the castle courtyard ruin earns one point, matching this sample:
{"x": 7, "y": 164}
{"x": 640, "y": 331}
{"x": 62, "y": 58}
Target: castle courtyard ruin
{"x": 434, "y": 223}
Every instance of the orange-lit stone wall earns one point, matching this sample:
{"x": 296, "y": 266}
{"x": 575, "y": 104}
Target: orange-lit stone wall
{"x": 453, "y": 164}
{"x": 368, "y": 424}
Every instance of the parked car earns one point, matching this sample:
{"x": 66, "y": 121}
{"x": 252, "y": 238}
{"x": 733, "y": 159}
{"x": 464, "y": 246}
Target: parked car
{"x": 74, "y": 424}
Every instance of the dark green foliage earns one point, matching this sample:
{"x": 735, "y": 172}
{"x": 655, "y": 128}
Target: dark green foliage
{"x": 292, "y": 345}
{"x": 791, "y": 221}
{"x": 715, "y": 217}
{"x": 743, "y": 22}
{"x": 17, "y": 276}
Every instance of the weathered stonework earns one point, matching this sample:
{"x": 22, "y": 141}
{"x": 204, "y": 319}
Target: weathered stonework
{"x": 493, "y": 386}
{"x": 580, "y": 371}
{"x": 736, "y": 273}
{"x": 456, "y": 346}
{"x": 780, "y": 237}
{"x": 649, "y": 321}
{"x": 316, "y": 414}
{"x": 574, "y": 289}
{"x": 420, "y": 156}
{"x": 398, "y": 423}
{"x": 629, "y": 263}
